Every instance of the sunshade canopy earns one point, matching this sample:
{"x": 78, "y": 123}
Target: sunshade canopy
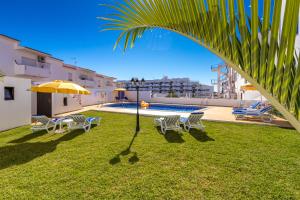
{"x": 59, "y": 86}
{"x": 120, "y": 89}
{"x": 248, "y": 87}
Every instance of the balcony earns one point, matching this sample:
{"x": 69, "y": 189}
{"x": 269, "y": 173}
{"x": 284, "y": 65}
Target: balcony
{"x": 88, "y": 83}
{"x": 36, "y": 69}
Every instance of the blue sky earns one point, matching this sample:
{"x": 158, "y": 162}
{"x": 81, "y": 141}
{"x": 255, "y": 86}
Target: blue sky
{"x": 68, "y": 29}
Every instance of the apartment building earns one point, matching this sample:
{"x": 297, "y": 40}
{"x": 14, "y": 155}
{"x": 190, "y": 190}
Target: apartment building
{"x": 22, "y": 65}
{"x": 229, "y": 84}
{"x": 172, "y": 87}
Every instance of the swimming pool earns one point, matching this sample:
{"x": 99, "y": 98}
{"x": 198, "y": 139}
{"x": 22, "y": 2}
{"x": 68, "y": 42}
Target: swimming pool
{"x": 163, "y": 107}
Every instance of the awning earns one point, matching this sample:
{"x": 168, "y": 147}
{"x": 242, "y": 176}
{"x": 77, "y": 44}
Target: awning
{"x": 248, "y": 87}
{"x": 120, "y": 89}
{"x": 59, "y": 86}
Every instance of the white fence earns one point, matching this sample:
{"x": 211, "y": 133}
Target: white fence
{"x": 146, "y": 96}
{"x": 201, "y": 101}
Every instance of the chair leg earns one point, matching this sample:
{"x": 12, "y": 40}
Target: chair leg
{"x": 188, "y": 129}
{"x": 185, "y": 127}
{"x": 202, "y": 128}
{"x": 163, "y": 130}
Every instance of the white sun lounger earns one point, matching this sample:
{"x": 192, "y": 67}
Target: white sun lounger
{"x": 171, "y": 122}
{"x": 42, "y": 122}
{"x": 260, "y": 113}
{"x": 82, "y": 122}
{"x": 193, "y": 121}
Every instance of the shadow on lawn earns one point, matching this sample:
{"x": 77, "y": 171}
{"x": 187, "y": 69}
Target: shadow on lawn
{"x": 29, "y": 137}
{"x": 132, "y": 160}
{"x": 200, "y": 135}
{"x": 172, "y": 136}
{"x": 25, "y": 152}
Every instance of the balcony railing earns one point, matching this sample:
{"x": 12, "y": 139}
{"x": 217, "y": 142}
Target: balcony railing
{"x": 35, "y": 69}
{"x": 88, "y": 83}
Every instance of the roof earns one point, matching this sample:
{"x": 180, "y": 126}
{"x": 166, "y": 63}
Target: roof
{"x": 86, "y": 69}
{"x": 37, "y": 51}
{"x": 9, "y": 37}
{"x": 70, "y": 66}
{"x": 110, "y": 77}
{"x": 100, "y": 75}
{"x": 57, "y": 59}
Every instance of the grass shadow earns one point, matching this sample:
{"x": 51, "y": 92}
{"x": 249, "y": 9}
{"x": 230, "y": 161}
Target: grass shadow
{"x": 200, "y": 135}
{"x": 132, "y": 160}
{"x": 29, "y": 136}
{"x": 172, "y": 136}
{"x": 25, "y": 152}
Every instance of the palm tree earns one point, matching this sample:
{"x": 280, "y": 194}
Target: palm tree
{"x": 256, "y": 48}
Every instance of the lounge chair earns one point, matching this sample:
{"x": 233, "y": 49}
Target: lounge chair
{"x": 171, "y": 122}
{"x": 42, "y": 122}
{"x": 257, "y": 113}
{"x": 255, "y": 105}
{"x": 193, "y": 121}
{"x": 82, "y": 122}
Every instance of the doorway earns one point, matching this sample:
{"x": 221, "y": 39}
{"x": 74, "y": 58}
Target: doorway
{"x": 44, "y": 104}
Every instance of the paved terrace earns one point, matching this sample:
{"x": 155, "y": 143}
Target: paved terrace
{"x": 211, "y": 113}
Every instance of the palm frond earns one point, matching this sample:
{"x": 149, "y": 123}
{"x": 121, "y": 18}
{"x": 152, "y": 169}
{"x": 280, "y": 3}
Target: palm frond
{"x": 260, "y": 51}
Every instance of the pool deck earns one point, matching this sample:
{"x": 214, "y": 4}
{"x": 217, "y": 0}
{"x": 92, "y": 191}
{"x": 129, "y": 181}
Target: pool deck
{"x": 211, "y": 113}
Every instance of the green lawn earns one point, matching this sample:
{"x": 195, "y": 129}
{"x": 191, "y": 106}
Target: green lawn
{"x": 229, "y": 161}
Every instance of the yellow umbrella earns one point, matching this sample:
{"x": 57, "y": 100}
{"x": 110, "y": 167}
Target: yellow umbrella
{"x": 248, "y": 87}
{"x": 58, "y": 86}
{"x": 120, "y": 89}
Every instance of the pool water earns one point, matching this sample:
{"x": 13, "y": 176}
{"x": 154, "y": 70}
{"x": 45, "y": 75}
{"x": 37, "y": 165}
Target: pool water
{"x": 163, "y": 107}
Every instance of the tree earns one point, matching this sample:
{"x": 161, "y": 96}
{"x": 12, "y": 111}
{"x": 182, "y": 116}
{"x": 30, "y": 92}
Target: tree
{"x": 268, "y": 63}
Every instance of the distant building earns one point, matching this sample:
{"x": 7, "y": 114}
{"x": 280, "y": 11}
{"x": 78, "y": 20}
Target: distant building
{"x": 173, "y": 87}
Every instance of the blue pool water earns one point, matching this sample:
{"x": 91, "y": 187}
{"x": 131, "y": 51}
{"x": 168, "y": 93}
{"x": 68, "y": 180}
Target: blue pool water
{"x": 164, "y": 107}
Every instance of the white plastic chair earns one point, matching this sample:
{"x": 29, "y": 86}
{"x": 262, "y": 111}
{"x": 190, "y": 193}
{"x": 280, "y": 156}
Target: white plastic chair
{"x": 171, "y": 122}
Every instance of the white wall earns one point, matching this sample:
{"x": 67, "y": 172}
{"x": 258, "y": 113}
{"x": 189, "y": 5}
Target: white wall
{"x": 94, "y": 98}
{"x": 58, "y": 103}
{"x": 33, "y": 103}
{"x": 15, "y": 112}
{"x": 200, "y": 101}
{"x": 7, "y": 56}
{"x": 253, "y": 95}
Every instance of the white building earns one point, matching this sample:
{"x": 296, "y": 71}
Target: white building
{"x": 180, "y": 87}
{"x": 15, "y": 105}
{"x": 23, "y": 64}
{"x": 230, "y": 85}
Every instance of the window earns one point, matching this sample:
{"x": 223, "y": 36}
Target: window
{"x": 70, "y": 76}
{"x": 65, "y": 101}
{"x": 9, "y": 93}
{"x": 41, "y": 59}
